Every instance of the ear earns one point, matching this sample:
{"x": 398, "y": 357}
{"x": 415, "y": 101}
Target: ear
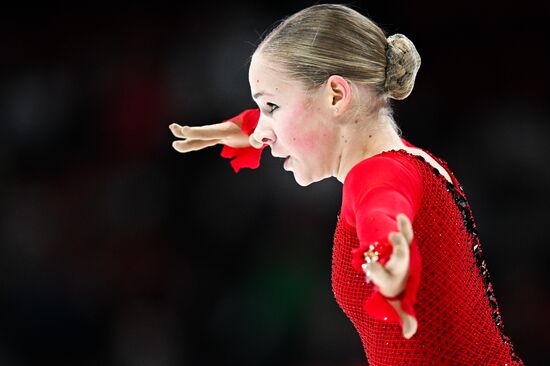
{"x": 338, "y": 93}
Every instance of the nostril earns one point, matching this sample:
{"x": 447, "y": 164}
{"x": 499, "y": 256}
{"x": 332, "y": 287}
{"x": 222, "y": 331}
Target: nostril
{"x": 265, "y": 140}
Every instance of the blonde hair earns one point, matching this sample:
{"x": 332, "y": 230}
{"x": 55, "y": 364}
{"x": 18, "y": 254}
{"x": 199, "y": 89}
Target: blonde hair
{"x": 329, "y": 39}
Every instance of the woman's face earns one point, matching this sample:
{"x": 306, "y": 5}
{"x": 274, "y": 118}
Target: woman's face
{"x": 295, "y": 124}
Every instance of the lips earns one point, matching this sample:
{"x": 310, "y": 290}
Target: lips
{"x": 276, "y": 155}
{"x": 281, "y": 156}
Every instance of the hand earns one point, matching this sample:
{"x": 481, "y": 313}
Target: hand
{"x": 392, "y": 278}
{"x": 197, "y": 138}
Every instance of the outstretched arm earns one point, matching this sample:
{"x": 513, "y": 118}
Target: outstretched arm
{"x": 391, "y": 278}
{"x": 382, "y": 196}
{"x": 198, "y": 138}
{"x": 235, "y": 134}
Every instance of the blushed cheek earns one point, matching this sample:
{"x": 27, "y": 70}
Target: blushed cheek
{"x": 304, "y": 137}
{"x": 307, "y": 142}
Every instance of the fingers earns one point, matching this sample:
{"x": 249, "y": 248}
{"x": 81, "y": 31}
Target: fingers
{"x": 378, "y": 274}
{"x": 176, "y": 130}
{"x": 405, "y": 227}
{"x": 399, "y": 260}
{"x": 184, "y": 146}
{"x": 208, "y": 132}
{"x": 390, "y": 278}
{"x": 410, "y": 325}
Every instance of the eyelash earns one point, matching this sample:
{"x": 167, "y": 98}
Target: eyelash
{"x": 273, "y": 107}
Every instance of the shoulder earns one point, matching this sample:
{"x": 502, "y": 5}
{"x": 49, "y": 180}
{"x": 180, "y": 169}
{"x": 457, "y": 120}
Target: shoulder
{"x": 389, "y": 168}
{"x": 387, "y": 179}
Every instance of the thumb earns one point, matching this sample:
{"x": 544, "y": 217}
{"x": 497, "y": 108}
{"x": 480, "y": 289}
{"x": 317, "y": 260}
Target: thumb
{"x": 410, "y": 325}
{"x": 377, "y": 274}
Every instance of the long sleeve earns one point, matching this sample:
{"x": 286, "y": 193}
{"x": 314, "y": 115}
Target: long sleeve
{"x": 375, "y": 192}
{"x": 244, "y": 157}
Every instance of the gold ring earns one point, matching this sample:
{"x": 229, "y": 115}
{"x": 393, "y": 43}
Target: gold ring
{"x": 372, "y": 254}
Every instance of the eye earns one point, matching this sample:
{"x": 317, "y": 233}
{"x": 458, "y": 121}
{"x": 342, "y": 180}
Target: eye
{"x": 272, "y": 107}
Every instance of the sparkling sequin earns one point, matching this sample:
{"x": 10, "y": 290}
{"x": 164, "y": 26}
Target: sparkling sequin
{"x": 457, "y": 312}
{"x": 469, "y": 223}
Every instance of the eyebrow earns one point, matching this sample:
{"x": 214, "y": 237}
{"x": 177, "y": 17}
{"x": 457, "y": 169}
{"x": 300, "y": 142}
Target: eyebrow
{"x": 259, "y": 94}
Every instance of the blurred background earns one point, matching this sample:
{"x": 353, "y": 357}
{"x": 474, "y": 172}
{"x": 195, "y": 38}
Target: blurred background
{"x": 116, "y": 250}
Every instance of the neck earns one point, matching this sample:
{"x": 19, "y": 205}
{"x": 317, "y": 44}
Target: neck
{"x": 360, "y": 141}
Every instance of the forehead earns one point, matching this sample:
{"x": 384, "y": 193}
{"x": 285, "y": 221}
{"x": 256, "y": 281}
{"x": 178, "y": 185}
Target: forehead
{"x": 260, "y": 71}
{"x": 264, "y": 77}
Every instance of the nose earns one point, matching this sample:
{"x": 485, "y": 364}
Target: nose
{"x": 263, "y": 134}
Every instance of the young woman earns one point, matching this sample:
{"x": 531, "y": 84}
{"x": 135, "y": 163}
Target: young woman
{"x": 407, "y": 269}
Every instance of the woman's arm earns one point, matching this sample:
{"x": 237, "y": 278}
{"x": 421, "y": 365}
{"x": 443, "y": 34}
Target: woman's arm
{"x": 381, "y": 198}
{"x": 234, "y": 134}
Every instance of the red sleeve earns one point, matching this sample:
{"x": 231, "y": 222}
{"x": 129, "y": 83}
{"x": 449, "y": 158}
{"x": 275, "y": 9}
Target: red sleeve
{"x": 244, "y": 157}
{"x": 375, "y": 192}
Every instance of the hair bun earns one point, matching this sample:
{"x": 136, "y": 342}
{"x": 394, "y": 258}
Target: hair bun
{"x": 403, "y": 62}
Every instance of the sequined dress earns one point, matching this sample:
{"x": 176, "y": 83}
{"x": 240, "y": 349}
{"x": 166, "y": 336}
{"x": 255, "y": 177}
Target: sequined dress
{"x": 448, "y": 288}
{"x": 458, "y": 318}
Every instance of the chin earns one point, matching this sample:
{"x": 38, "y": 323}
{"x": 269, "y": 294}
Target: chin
{"x": 305, "y": 181}
{"x": 305, "y": 175}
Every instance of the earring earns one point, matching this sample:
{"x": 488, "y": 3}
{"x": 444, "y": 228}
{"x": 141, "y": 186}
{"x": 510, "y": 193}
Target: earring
{"x": 336, "y": 110}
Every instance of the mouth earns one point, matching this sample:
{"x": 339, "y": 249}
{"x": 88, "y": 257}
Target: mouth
{"x": 285, "y": 158}
{"x": 275, "y": 155}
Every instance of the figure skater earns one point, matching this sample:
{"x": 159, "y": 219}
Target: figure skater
{"x": 407, "y": 265}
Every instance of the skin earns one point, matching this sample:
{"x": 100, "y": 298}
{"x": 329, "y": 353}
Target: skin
{"x": 319, "y": 136}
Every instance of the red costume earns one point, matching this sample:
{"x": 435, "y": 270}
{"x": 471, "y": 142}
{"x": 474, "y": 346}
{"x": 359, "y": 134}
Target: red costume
{"x": 448, "y": 287}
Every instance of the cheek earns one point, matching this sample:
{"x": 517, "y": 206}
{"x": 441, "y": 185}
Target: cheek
{"x": 301, "y": 133}
{"x": 307, "y": 142}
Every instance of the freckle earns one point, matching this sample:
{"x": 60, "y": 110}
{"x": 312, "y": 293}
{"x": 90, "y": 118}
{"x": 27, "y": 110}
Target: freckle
{"x": 345, "y": 141}
{"x": 258, "y": 80}
{"x": 370, "y": 136}
{"x": 294, "y": 139}
{"x": 356, "y": 121}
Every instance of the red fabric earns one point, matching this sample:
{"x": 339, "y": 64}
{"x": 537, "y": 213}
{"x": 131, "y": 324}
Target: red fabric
{"x": 449, "y": 291}
{"x": 244, "y": 157}
{"x": 375, "y": 191}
